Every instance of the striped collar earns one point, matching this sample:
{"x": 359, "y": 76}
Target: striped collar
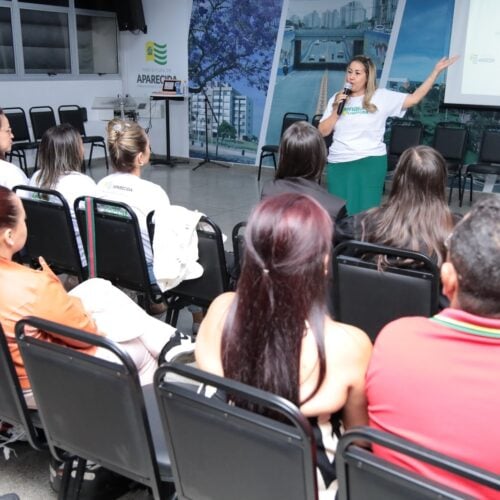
{"x": 468, "y": 323}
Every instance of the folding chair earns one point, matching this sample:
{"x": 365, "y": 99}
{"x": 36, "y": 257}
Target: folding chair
{"x": 42, "y": 118}
{"x": 404, "y": 134}
{"x": 77, "y": 116}
{"x": 119, "y": 249}
{"x": 93, "y": 409}
{"x": 223, "y": 451}
{"x": 272, "y": 149}
{"x": 51, "y": 233}
{"x": 13, "y": 409}
{"x": 450, "y": 139}
{"x": 362, "y": 475}
{"x": 370, "y": 298}
{"x": 22, "y": 140}
{"x": 488, "y": 162}
{"x": 214, "y": 280}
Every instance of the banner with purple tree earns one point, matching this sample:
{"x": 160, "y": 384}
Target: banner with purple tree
{"x": 231, "y": 49}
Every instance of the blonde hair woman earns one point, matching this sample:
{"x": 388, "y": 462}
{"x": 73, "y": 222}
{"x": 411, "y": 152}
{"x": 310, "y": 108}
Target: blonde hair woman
{"x": 129, "y": 151}
{"x": 357, "y": 161}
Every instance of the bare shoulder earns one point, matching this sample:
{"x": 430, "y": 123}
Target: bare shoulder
{"x": 208, "y": 340}
{"x": 347, "y": 342}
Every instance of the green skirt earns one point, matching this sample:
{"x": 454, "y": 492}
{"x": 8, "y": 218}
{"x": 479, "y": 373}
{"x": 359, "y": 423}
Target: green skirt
{"x": 359, "y": 182}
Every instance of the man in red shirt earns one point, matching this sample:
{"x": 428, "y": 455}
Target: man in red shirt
{"x": 434, "y": 381}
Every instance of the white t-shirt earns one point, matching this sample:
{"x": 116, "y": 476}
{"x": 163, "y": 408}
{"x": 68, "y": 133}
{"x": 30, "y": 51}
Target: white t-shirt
{"x": 71, "y": 186}
{"x": 140, "y": 195}
{"x": 11, "y": 175}
{"x": 358, "y": 133}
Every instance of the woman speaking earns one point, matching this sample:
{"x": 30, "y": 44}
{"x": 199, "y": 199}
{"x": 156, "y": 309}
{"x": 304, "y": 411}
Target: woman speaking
{"x": 357, "y": 161}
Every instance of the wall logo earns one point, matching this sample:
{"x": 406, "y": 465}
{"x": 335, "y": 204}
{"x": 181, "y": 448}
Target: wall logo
{"x": 156, "y": 52}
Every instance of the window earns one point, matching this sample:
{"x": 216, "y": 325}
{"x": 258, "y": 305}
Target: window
{"x": 7, "y": 64}
{"x": 45, "y": 42}
{"x": 46, "y": 38}
{"x": 97, "y": 45}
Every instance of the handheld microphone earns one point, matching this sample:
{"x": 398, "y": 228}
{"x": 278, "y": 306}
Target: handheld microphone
{"x": 347, "y": 90}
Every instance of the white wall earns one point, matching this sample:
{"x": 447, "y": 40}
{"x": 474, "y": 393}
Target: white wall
{"x": 168, "y": 22}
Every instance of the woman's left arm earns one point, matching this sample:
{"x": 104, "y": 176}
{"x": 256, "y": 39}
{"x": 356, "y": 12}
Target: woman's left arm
{"x": 423, "y": 90}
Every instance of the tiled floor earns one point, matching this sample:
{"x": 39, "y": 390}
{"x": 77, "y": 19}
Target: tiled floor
{"x": 226, "y": 196}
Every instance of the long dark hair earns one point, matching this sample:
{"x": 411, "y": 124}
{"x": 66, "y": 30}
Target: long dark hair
{"x": 302, "y": 152}
{"x": 416, "y": 215}
{"x": 60, "y": 152}
{"x": 281, "y": 292}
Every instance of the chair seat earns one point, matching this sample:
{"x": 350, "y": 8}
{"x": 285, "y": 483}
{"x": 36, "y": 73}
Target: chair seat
{"x": 270, "y": 148}
{"x": 484, "y": 168}
{"x": 159, "y": 440}
{"x": 24, "y": 145}
{"x": 92, "y": 138}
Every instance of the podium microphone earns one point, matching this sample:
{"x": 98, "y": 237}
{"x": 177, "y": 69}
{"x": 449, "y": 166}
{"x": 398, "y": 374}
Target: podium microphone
{"x": 347, "y": 90}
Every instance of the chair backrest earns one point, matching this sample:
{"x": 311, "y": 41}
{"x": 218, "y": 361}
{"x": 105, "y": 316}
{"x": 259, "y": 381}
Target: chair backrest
{"x": 119, "y": 250}
{"x": 222, "y": 451}
{"x": 13, "y": 407}
{"x": 18, "y": 124}
{"x": 238, "y": 248}
{"x": 362, "y": 475}
{"x": 42, "y": 118}
{"x": 89, "y": 407}
{"x": 489, "y": 151}
{"x": 215, "y": 279}
{"x": 405, "y": 134}
{"x": 51, "y": 233}
{"x": 450, "y": 139}
{"x": 369, "y": 298}
{"x": 290, "y": 118}
{"x": 74, "y": 115}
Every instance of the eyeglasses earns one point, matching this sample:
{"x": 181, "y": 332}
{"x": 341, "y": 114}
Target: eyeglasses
{"x": 8, "y": 130}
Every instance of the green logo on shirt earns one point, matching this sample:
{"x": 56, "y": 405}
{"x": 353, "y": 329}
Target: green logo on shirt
{"x": 355, "y": 110}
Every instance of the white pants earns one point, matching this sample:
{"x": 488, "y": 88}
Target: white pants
{"x": 120, "y": 319}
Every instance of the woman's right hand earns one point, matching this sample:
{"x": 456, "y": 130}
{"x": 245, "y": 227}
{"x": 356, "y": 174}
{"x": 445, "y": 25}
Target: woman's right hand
{"x": 339, "y": 98}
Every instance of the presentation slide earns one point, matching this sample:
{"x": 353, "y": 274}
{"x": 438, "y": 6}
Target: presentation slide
{"x": 474, "y": 79}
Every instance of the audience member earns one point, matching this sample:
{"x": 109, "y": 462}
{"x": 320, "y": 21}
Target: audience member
{"x": 415, "y": 215}
{"x": 60, "y": 158}
{"x": 434, "y": 380}
{"x": 302, "y": 158}
{"x": 129, "y": 151}
{"x": 94, "y": 306}
{"x": 274, "y": 332}
{"x": 10, "y": 175}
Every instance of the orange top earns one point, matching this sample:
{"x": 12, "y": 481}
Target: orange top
{"x": 28, "y": 292}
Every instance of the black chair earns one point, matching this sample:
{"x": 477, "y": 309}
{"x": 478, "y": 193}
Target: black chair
{"x": 22, "y": 139}
{"x": 238, "y": 239}
{"x": 77, "y": 116}
{"x": 362, "y": 475}
{"x": 51, "y": 233}
{"x": 370, "y": 298}
{"x": 488, "y": 162}
{"x": 42, "y": 118}
{"x": 272, "y": 149}
{"x": 94, "y": 409}
{"x": 315, "y": 123}
{"x": 119, "y": 249}
{"x": 13, "y": 409}
{"x": 214, "y": 280}
{"x": 222, "y": 451}
{"x": 450, "y": 139}
{"x": 404, "y": 134}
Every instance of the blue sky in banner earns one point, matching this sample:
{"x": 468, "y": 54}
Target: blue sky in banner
{"x": 424, "y": 37}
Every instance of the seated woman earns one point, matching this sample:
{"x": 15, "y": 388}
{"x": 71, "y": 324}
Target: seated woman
{"x": 10, "y": 174}
{"x": 129, "y": 151}
{"x": 94, "y": 306}
{"x": 415, "y": 215}
{"x": 302, "y": 158}
{"x": 60, "y": 158}
{"x": 274, "y": 332}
